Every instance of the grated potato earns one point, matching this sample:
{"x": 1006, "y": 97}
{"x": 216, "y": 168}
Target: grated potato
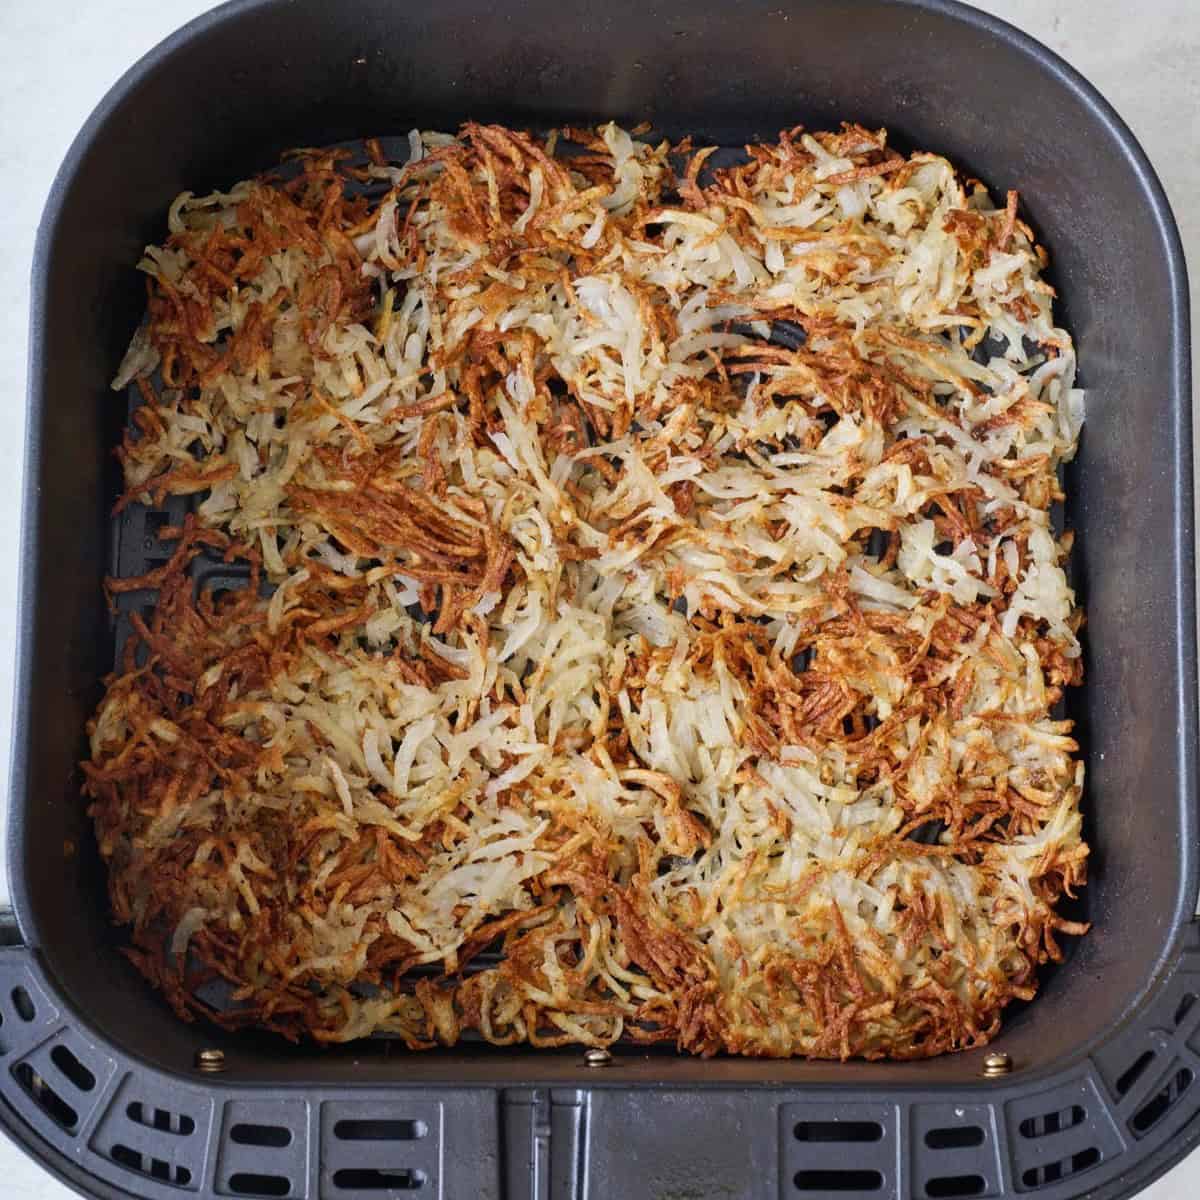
{"x": 653, "y": 584}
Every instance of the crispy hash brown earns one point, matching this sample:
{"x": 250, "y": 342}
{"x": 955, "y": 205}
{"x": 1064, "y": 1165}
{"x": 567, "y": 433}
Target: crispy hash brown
{"x": 653, "y": 586}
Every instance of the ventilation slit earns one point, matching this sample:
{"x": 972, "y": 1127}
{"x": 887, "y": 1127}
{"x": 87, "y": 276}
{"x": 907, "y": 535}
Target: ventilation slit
{"x": 160, "y": 1119}
{"x": 45, "y": 1097}
{"x": 152, "y": 546}
{"x": 955, "y": 1185}
{"x": 1156, "y": 1108}
{"x": 1135, "y": 1072}
{"x": 275, "y": 1136}
{"x": 23, "y": 1004}
{"x": 72, "y": 1068}
{"x": 839, "y": 1131}
{"x": 928, "y": 833}
{"x": 380, "y": 1131}
{"x": 1185, "y": 1007}
{"x": 371, "y": 1179}
{"x": 154, "y": 1168}
{"x": 958, "y": 1137}
{"x": 248, "y": 1183}
{"x": 838, "y": 1181}
{"x": 1052, "y": 1122}
{"x": 1063, "y": 1169}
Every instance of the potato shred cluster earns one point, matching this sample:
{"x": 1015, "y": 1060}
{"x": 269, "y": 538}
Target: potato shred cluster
{"x": 654, "y": 625}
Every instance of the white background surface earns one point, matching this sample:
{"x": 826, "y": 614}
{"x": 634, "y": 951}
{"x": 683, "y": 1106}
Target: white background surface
{"x": 58, "y": 59}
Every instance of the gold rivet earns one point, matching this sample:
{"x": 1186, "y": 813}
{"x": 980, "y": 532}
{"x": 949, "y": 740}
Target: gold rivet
{"x": 210, "y": 1061}
{"x": 996, "y": 1065}
{"x": 597, "y": 1057}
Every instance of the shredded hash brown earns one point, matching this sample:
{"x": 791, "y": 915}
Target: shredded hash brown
{"x": 655, "y": 622}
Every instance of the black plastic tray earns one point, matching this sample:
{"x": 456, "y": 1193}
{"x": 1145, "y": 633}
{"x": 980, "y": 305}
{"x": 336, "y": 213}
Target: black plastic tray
{"x": 98, "y": 1079}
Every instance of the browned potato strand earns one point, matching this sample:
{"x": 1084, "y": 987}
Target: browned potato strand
{"x": 664, "y": 596}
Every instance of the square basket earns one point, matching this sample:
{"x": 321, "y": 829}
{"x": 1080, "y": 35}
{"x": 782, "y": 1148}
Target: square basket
{"x": 105, "y": 1086}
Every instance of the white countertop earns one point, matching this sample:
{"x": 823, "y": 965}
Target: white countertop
{"x": 58, "y": 59}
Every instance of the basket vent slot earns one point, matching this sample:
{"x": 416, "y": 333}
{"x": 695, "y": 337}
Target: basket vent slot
{"x": 1064, "y": 1168}
{"x": 378, "y": 1179}
{"x": 248, "y": 1183}
{"x": 151, "y": 1167}
{"x": 161, "y": 1119}
{"x": 249, "y": 1134}
{"x": 955, "y": 1185}
{"x": 877, "y": 543}
{"x": 1157, "y": 1107}
{"x": 153, "y": 548}
{"x": 1135, "y": 1072}
{"x": 955, "y": 1137}
{"x": 838, "y": 1131}
{"x": 1185, "y": 1006}
{"x": 22, "y": 1003}
{"x": 380, "y": 1131}
{"x": 45, "y": 1097}
{"x": 1053, "y": 1122}
{"x": 802, "y": 660}
{"x": 928, "y": 833}
{"x": 829, "y": 1180}
{"x": 72, "y": 1068}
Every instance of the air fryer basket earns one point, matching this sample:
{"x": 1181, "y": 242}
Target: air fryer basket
{"x": 100, "y": 1082}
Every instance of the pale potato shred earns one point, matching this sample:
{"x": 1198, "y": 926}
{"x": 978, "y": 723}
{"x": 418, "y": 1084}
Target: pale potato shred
{"x": 657, "y": 628}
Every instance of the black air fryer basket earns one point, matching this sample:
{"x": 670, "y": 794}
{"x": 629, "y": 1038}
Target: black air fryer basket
{"x": 101, "y": 1083}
